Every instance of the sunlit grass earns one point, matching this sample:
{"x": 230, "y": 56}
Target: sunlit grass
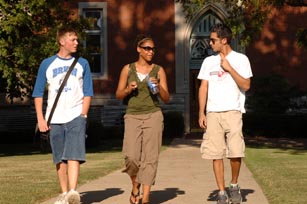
{"x": 281, "y": 173}
{"x": 29, "y": 177}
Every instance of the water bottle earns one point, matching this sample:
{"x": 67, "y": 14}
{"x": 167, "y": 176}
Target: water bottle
{"x": 153, "y": 87}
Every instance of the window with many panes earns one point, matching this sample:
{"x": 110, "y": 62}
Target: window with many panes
{"x": 199, "y": 41}
{"x": 95, "y": 42}
{"x": 200, "y": 37}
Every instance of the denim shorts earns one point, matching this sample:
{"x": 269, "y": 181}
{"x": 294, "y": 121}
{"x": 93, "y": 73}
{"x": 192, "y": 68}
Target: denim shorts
{"x": 68, "y": 140}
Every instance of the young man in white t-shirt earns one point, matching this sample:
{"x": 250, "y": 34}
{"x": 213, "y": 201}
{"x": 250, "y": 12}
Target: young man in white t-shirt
{"x": 224, "y": 79}
{"x": 68, "y": 123}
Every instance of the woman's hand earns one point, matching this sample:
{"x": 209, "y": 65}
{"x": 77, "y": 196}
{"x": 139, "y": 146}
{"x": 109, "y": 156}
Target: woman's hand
{"x": 154, "y": 80}
{"x": 132, "y": 86}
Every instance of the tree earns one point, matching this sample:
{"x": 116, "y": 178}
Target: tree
{"x": 245, "y": 17}
{"x": 302, "y": 37}
{"x": 27, "y": 35}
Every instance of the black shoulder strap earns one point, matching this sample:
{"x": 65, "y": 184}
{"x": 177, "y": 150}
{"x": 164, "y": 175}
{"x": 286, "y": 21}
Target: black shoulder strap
{"x": 61, "y": 89}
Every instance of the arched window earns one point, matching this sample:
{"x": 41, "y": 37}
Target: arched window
{"x": 200, "y": 38}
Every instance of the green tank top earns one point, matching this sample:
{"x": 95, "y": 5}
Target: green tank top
{"x": 141, "y": 101}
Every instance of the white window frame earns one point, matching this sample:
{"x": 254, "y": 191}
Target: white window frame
{"x": 103, "y": 35}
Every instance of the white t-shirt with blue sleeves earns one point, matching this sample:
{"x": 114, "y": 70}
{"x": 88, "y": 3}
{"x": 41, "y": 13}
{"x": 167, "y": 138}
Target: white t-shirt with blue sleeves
{"x": 79, "y": 84}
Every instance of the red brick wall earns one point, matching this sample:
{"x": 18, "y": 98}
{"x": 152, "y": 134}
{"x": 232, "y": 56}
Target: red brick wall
{"x": 126, "y": 19}
{"x": 276, "y": 49}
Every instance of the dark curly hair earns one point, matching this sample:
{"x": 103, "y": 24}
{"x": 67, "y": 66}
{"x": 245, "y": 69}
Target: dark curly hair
{"x": 223, "y": 31}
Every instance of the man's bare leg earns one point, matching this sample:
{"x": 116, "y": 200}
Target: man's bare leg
{"x": 218, "y": 168}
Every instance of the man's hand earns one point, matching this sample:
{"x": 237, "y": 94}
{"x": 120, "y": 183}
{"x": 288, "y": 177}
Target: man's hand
{"x": 202, "y": 121}
{"x": 224, "y": 63}
{"x": 42, "y": 126}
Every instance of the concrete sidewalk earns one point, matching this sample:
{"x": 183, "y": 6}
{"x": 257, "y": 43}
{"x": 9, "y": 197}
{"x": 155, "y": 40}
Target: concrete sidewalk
{"x": 183, "y": 178}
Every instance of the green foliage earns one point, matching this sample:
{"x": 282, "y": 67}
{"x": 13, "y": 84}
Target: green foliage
{"x": 302, "y": 37}
{"x": 27, "y": 36}
{"x": 268, "y": 103}
{"x": 245, "y": 17}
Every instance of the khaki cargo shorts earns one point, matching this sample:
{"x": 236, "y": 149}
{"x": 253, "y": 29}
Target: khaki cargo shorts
{"x": 223, "y": 136}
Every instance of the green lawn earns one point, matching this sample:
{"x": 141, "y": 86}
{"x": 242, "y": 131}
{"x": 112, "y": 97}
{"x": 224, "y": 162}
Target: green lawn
{"x": 281, "y": 173}
{"x": 28, "y": 177}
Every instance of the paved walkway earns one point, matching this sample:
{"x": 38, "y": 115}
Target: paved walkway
{"x": 183, "y": 178}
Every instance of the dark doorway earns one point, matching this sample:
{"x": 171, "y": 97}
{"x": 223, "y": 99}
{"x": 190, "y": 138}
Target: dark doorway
{"x": 194, "y": 87}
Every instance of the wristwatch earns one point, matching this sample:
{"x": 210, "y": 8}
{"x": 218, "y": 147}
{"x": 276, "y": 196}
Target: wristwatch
{"x": 83, "y": 115}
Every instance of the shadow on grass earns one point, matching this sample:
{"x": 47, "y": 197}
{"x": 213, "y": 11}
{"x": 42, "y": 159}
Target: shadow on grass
{"x": 18, "y": 149}
{"x": 32, "y": 149}
{"x": 293, "y": 145}
{"x": 107, "y": 145}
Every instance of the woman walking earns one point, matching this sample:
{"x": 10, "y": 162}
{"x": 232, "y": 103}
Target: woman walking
{"x": 140, "y": 84}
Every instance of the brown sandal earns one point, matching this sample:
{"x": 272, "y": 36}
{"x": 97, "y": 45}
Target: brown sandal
{"x": 135, "y": 196}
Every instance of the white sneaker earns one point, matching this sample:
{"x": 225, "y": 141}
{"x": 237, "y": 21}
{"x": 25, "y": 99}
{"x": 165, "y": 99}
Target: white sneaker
{"x": 61, "y": 199}
{"x": 73, "y": 197}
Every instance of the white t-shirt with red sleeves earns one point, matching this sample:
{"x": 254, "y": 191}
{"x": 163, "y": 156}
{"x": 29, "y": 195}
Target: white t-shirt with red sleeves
{"x": 223, "y": 92}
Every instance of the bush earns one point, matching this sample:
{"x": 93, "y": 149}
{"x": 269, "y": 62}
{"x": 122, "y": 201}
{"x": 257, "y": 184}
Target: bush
{"x": 19, "y": 137}
{"x": 275, "y": 125}
{"x": 270, "y": 94}
{"x": 94, "y": 131}
{"x": 173, "y": 124}
{"x": 97, "y": 133}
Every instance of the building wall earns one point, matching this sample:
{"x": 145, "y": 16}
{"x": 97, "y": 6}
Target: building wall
{"x": 126, "y": 19}
{"x": 276, "y": 49}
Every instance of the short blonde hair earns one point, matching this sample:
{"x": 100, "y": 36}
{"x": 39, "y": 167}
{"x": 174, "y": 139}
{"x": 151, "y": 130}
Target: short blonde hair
{"x": 63, "y": 31}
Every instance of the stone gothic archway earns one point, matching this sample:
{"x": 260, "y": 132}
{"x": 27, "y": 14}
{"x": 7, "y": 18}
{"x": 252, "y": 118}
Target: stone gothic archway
{"x": 192, "y": 46}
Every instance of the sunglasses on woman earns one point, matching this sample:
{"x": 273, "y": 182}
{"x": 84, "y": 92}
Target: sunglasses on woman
{"x": 148, "y": 48}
